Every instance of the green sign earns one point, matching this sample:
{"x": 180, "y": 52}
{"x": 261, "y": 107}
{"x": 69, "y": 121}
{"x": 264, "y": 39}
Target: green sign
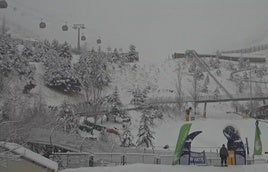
{"x": 257, "y": 142}
{"x": 184, "y": 131}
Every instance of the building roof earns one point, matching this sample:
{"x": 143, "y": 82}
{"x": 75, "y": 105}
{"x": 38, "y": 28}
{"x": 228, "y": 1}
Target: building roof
{"x": 28, "y": 154}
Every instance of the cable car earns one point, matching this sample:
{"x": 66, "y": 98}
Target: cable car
{"x": 83, "y": 38}
{"x": 3, "y": 4}
{"x": 98, "y": 41}
{"x": 65, "y": 27}
{"x": 42, "y": 25}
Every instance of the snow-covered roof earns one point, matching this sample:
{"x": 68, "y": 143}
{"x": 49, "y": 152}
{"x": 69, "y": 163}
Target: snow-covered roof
{"x": 28, "y": 154}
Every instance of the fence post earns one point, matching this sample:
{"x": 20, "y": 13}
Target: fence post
{"x": 123, "y": 159}
{"x": 91, "y": 161}
{"x": 157, "y": 160}
{"x": 67, "y": 161}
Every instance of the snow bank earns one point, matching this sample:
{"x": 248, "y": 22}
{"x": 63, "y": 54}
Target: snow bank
{"x": 162, "y": 168}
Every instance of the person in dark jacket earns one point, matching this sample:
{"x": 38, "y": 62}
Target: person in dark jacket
{"x": 223, "y": 155}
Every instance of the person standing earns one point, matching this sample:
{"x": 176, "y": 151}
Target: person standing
{"x": 223, "y": 155}
{"x": 188, "y": 111}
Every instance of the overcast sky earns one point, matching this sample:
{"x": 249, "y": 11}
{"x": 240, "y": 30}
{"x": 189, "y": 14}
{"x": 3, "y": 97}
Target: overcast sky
{"x": 158, "y": 28}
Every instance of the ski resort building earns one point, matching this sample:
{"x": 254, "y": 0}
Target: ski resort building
{"x": 20, "y": 159}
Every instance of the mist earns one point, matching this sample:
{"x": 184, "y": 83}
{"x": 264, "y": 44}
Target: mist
{"x": 157, "y": 28}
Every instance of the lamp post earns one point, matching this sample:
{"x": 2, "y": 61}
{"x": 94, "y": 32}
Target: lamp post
{"x": 250, "y": 84}
{"x": 78, "y": 27}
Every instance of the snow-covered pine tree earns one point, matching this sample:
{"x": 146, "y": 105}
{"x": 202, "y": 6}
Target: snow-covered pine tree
{"x": 127, "y": 137}
{"x": 133, "y": 55}
{"x": 65, "y": 51}
{"x": 217, "y": 63}
{"x": 245, "y": 75}
{"x": 116, "y": 104}
{"x": 192, "y": 67}
{"x": 46, "y": 45}
{"x": 145, "y": 134}
{"x": 211, "y": 62}
{"x": 259, "y": 73}
{"x": 27, "y": 52}
{"x": 93, "y": 73}
{"x": 115, "y": 56}
{"x": 139, "y": 96}
{"x": 240, "y": 84}
{"x": 59, "y": 74}
{"x": 55, "y": 45}
{"x": 218, "y": 72}
{"x": 216, "y": 93}
{"x": 258, "y": 90}
{"x": 204, "y": 88}
{"x": 241, "y": 63}
{"x": 67, "y": 118}
{"x": 207, "y": 80}
{"x": 38, "y": 53}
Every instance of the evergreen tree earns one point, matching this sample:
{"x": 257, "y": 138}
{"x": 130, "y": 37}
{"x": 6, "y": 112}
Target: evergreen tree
{"x": 204, "y": 88}
{"x": 55, "y": 45}
{"x": 216, "y": 93}
{"x": 46, "y": 45}
{"x": 139, "y": 96}
{"x": 59, "y": 73}
{"x": 245, "y": 75}
{"x": 64, "y": 51}
{"x": 93, "y": 73}
{"x": 67, "y": 118}
{"x": 258, "y": 90}
{"x": 241, "y": 63}
{"x": 27, "y": 52}
{"x": 240, "y": 85}
{"x": 207, "y": 80}
{"x": 127, "y": 137}
{"x": 117, "y": 105}
{"x": 192, "y": 67}
{"x": 133, "y": 55}
{"x": 145, "y": 135}
{"x": 217, "y": 63}
{"x": 38, "y": 53}
{"x": 218, "y": 72}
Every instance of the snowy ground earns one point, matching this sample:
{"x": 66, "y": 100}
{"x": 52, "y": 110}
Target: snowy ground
{"x": 163, "y": 168}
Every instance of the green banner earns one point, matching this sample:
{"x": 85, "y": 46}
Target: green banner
{"x": 257, "y": 142}
{"x": 184, "y": 131}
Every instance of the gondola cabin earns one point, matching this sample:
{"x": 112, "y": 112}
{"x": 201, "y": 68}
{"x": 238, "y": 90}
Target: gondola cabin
{"x": 64, "y": 28}
{"x": 83, "y": 38}
{"x": 3, "y": 4}
{"x": 42, "y": 25}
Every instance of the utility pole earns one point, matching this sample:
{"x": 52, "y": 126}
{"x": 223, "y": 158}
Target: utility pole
{"x": 251, "y": 104}
{"x": 195, "y": 92}
{"x": 78, "y": 27}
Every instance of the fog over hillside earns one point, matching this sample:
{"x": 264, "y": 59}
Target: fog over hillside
{"x": 157, "y": 28}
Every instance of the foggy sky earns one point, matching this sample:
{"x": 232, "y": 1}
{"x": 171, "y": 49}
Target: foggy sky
{"x": 157, "y": 28}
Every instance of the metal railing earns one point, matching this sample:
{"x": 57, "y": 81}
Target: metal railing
{"x": 75, "y": 160}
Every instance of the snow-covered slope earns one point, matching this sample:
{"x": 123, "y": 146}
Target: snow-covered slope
{"x": 162, "y": 168}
